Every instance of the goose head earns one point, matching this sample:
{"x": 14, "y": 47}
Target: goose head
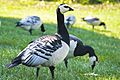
{"x": 18, "y": 24}
{"x": 64, "y": 8}
{"x": 103, "y": 24}
{"x": 23, "y": 23}
{"x": 93, "y": 61}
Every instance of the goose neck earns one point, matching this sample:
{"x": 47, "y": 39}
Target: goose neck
{"x": 61, "y": 29}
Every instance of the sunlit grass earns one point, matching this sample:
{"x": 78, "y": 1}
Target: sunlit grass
{"x": 105, "y": 42}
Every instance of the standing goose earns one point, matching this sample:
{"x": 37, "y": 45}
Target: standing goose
{"x": 94, "y": 21}
{"x": 30, "y": 23}
{"x": 77, "y": 48}
{"x": 48, "y": 50}
{"x": 70, "y": 20}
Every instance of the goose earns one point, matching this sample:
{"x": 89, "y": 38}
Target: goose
{"x": 48, "y": 50}
{"x": 30, "y": 23}
{"x": 77, "y": 48}
{"x": 94, "y": 21}
{"x": 69, "y": 20}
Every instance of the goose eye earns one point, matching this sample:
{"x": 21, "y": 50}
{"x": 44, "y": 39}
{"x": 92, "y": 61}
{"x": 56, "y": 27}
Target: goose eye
{"x": 66, "y": 6}
{"x": 28, "y": 21}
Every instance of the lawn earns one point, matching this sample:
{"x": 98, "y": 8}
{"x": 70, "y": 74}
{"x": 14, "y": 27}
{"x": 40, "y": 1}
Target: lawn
{"x": 105, "y": 42}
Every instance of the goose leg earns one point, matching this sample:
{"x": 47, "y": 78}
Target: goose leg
{"x": 93, "y": 26}
{"x": 71, "y": 26}
{"x": 52, "y": 68}
{"x": 104, "y": 27}
{"x": 42, "y": 29}
{"x": 30, "y": 31}
{"x": 67, "y": 25}
{"x": 93, "y": 65}
{"x": 37, "y": 73}
{"x": 66, "y": 62}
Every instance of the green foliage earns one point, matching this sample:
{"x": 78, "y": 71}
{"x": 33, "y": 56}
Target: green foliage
{"x": 83, "y": 1}
{"x": 95, "y": 1}
{"x": 112, "y": 1}
{"x": 32, "y": 2}
{"x": 86, "y": 1}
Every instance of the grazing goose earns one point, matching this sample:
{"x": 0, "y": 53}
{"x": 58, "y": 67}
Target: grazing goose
{"x": 70, "y": 20}
{"x": 77, "y": 48}
{"x": 94, "y": 21}
{"x": 30, "y": 23}
{"x": 48, "y": 50}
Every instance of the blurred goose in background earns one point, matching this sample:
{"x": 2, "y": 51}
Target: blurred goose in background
{"x": 94, "y": 21}
{"x": 77, "y": 48}
{"x": 30, "y": 23}
{"x": 48, "y": 50}
{"x": 69, "y": 21}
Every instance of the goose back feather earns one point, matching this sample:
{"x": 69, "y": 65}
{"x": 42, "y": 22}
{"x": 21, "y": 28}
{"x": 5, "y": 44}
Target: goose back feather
{"x": 30, "y": 23}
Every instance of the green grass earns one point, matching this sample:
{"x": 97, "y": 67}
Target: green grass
{"x": 105, "y": 43}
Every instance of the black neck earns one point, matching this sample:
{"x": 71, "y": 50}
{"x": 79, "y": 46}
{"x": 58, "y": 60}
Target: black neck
{"x": 61, "y": 29}
{"x": 83, "y": 50}
{"x": 102, "y": 23}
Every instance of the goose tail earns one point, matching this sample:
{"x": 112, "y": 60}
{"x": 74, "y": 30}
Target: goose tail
{"x": 15, "y": 62}
{"x": 42, "y": 28}
{"x": 83, "y": 19}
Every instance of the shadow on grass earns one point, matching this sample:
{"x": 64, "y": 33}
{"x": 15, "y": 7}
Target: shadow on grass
{"x": 8, "y": 21}
{"x": 103, "y": 30}
{"x": 100, "y": 42}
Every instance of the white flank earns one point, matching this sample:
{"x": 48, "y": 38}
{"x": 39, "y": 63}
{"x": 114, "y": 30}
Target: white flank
{"x": 58, "y": 56}
{"x": 73, "y": 45}
{"x": 96, "y": 23}
{"x": 26, "y": 27}
{"x": 92, "y": 59}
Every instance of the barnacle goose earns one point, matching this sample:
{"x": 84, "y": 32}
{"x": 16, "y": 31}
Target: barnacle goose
{"x": 94, "y": 21}
{"x": 48, "y": 50}
{"x": 30, "y": 23}
{"x": 69, "y": 20}
{"x": 77, "y": 48}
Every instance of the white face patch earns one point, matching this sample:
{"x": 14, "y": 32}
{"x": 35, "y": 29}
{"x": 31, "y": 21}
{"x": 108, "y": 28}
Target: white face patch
{"x": 63, "y": 9}
{"x": 92, "y": 59}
